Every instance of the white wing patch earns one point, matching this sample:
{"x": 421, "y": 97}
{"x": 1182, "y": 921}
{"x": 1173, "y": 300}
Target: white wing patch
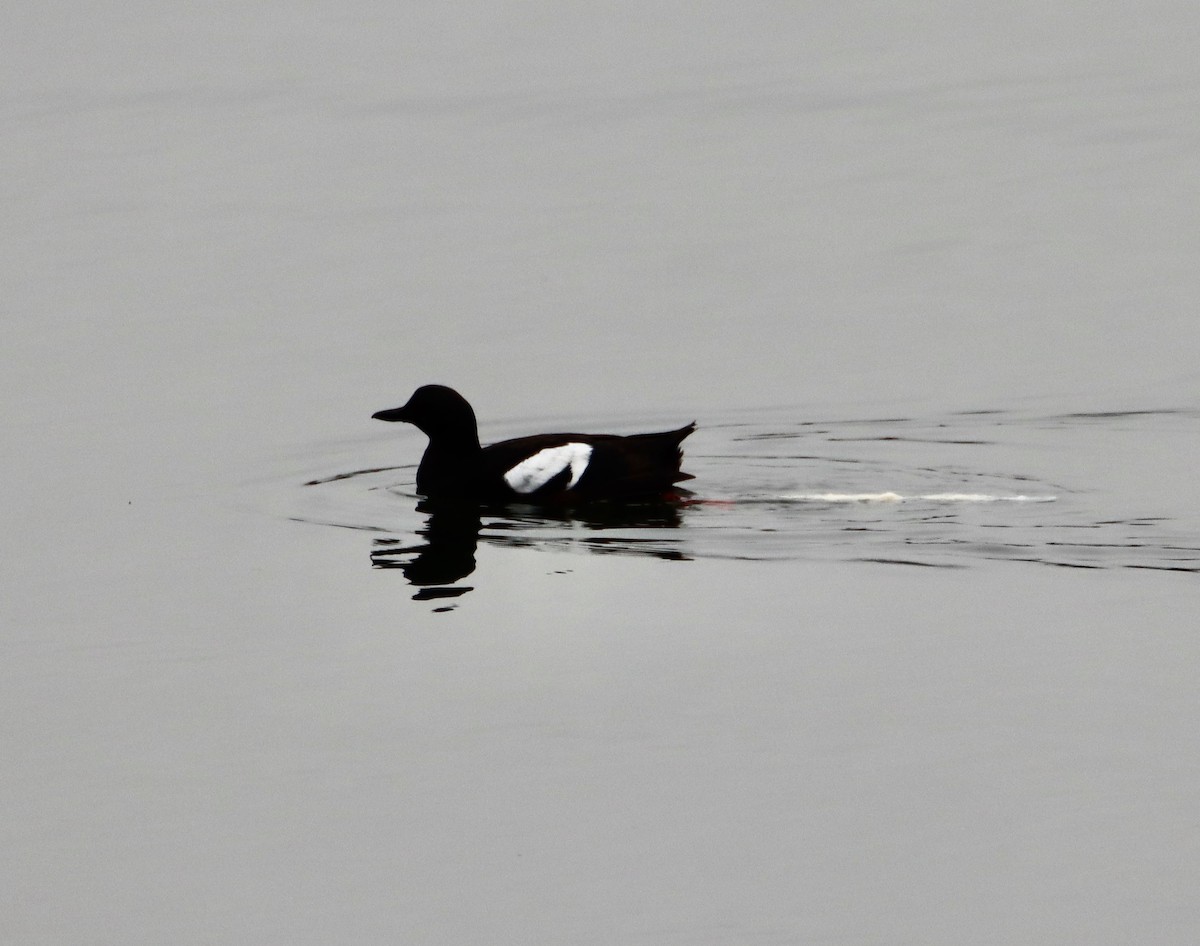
{"x": 536, "y": 471}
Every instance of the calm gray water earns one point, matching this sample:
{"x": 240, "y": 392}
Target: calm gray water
{"x": 915, "y": 663}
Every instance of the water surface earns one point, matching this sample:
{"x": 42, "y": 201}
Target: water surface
{"x": 916, "y": 662}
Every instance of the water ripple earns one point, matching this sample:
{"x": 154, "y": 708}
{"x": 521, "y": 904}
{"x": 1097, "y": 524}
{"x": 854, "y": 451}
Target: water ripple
{"x": 952, "y": 491}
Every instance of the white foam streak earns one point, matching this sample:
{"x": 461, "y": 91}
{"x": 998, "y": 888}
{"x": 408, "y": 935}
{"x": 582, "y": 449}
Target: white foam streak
{"x": 890, "y": 497}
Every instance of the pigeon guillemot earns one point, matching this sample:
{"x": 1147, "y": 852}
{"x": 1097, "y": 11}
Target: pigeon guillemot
{"x": 545, "y": 468}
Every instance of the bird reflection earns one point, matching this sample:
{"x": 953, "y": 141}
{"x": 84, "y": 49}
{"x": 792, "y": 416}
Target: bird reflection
{"x": 449, "y": 538}
{"x": 446, "y": 554}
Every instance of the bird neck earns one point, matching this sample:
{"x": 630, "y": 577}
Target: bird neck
{"x": 450, "y": 466}
{"x": 462, "y": 442}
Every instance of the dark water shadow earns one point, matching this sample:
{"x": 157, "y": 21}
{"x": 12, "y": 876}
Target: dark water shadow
{"x": 445, "y": 553}
{"x": 448, "y": 539}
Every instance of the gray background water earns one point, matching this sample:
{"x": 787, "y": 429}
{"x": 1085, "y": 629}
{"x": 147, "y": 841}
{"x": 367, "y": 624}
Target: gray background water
{"x": 829, "y": 234}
